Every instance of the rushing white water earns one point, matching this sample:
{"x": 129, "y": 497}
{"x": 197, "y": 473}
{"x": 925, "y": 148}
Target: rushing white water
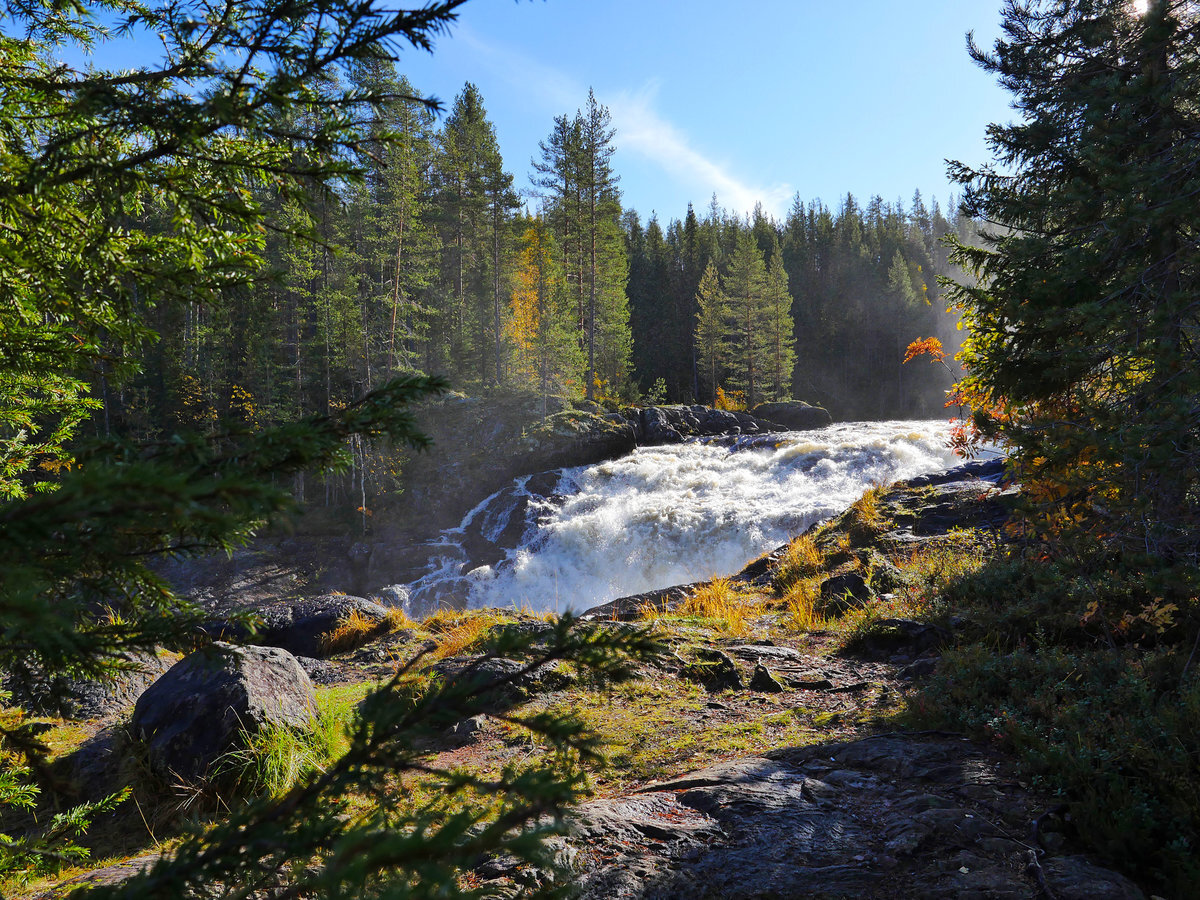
{"x": 681, "y": 513}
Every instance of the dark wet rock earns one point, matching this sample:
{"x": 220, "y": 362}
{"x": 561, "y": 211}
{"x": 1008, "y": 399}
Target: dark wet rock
{"x": 794, "y": 415}
{"x": 78, "y": 698}
{"x": 320, "y": 671}
{"x": 991, "y": 470}
{"x": 635, "y": 606}
{"x": 671, "y": 424}
{"x": 881, "y": 817}
{"x": 845, "y": 592}
{"x": 657, "y": 428}
{"x": 204, "y": 706}
{"x": 714, "y": 670}
{"x": 763, "y": 681}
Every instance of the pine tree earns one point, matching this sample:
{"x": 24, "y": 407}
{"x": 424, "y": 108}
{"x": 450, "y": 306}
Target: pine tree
{"x": 712, "y": 329}
{"x": 778, "y": 320}
{"x": 1083, "y": 319}
{"x": 745, "y": 287}
{"x": 601, "y": 209}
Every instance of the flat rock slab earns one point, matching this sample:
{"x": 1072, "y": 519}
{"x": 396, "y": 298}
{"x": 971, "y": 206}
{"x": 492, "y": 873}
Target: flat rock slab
{"x": 887, "y": 816}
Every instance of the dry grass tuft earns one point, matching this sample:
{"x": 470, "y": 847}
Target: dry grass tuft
{"x": 802, "y": 559}
{"x": 802, "y": 605}
{"x": 865, "y": 519}
{"x": 720, "y": 601}
{"x": 398, "y": 619}
{"x": 352, "y": 632}
{"x": 457, "y": 630}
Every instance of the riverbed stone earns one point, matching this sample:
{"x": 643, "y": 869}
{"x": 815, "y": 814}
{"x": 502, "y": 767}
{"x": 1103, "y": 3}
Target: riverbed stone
{"x": 212, "y": 699}
{"x": 300, "y": 627}
{"x": 714, "y": 670}
{"x": 795, "y": 415}
{"x": 844, "y": 592}
{"x": 763, "y": 681}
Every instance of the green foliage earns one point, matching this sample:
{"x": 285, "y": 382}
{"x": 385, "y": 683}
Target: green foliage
{"x": 1114, "y": 731}
{"x": 1083, "y": 673}
{"x": 45, "y": 849}
{"x": 139, "y": 202}
{"x": 1081, "y": 356}
{"x": 401, "y": 845}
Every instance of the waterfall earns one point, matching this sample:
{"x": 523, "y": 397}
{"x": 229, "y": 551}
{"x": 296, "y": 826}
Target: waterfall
{"x": 665, "y": 515}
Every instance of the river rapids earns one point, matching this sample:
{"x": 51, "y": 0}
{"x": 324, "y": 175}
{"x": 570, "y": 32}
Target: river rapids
{"x": 661, "y": 516}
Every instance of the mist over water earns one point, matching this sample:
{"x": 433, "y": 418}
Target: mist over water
{"x": 677, "y": 514}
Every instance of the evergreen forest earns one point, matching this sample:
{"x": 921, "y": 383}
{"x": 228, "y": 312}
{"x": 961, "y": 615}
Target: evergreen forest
{"x": 231, "y": 279}
{"x": 432, "y": 264}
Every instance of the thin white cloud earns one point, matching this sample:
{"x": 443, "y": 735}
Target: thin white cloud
{"x": 642, "y": 130}
{"x": 551, "y": 87}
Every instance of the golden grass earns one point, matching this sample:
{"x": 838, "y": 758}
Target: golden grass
{"x": 802, "y": 606}
{"x": 458, "y": 630}
{"x": 802, "y": 559}
{"x": 397, "y": 619}
{"x": 865, "y": 518}
{"x": 720, "y": 602}
{"x": 352, "y": 632}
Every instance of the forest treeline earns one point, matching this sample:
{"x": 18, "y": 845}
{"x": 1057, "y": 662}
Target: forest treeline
{"x": 434, "y": 264}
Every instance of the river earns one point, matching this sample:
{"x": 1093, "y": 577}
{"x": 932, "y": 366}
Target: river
{"x": 665, "y": 515}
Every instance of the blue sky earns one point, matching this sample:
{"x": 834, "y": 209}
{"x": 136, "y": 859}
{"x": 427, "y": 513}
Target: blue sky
{"x": 755, "y": 100}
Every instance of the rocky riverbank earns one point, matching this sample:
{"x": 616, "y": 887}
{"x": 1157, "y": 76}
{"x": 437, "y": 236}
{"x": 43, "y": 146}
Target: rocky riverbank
{"x": 766, "y": 754}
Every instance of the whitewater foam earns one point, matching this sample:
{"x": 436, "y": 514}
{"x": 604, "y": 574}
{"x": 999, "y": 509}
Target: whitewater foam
{"x": 683, "y": 513}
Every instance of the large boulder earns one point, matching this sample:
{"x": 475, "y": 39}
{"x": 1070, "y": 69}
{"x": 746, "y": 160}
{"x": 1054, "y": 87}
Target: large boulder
{"x": 211, "y": 699}
{"x": 301, "y": 627}
{"x": 795, "y": 415}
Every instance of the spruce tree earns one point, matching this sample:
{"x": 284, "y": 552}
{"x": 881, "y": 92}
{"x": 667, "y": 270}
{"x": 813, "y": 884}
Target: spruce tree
{"x": 712, "y": 329}
{"x": 745, "y": 287}
{"x": 1082, "y": 353}
{"x": 780, "y": 348}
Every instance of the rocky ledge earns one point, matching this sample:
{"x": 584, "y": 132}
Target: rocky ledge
{"x": 924, "y": 815}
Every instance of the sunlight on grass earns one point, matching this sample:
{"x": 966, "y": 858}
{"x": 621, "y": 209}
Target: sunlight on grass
{"x": 720, "y": 602}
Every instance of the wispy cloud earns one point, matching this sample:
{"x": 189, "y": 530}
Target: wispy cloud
{"x": 547, "y": 84}
{"x": 642, "y": 130}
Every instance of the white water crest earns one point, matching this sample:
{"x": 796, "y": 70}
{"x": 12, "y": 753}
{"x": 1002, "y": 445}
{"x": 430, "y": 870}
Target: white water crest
{"x": 681, "y": 513}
